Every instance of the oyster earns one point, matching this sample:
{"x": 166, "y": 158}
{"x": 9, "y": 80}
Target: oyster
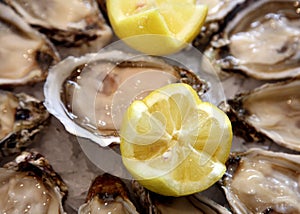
{"x": 74, "y": 26}
{"x": 90, "y": 94}
{"x": 30, "y": 185}
{"x": 260, "y": 181}
{"x": 262, "y": 41}
{"x": 25, "y": 54}
{"x": 218, "y": 10}
{"x": 21, "y": 118}
{"x": 272, "y": 110}
{"x": 156, "y": 204}
{"x": 107, "y": 194}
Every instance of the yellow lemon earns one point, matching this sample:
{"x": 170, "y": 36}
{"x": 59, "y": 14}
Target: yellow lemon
{"x": 173, "y": 143}
{"x": 156, "y": 27}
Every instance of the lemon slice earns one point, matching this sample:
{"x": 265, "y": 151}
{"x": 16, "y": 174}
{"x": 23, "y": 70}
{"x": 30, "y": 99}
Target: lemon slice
{"x": 173, "y": 143}
{"x": 156, "y": 27}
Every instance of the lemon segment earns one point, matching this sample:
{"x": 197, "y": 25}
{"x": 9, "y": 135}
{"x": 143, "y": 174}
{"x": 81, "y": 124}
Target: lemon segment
{"x": 159, "y": 27}
{"x": 173, "y": 143}
{"x": 210, "y": 142}
{"x": 185, "y": 21}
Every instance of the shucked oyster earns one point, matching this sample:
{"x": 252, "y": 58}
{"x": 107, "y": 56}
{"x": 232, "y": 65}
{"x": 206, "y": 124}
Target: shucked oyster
{"x": 107, "y": 194}
{"x": 262, "y": 40}
{"x": 25, "y": 54}
{"x": 272, "y": 110}
{"x": 30, "y": 185}
{"x": 90, "y": 94}
{"x": 74, "y": 26}
{"x": 261, "y": 181}
{"x": 21, "y": 117}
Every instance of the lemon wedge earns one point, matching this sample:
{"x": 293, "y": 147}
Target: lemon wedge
{"x": 173, "y": 143}
{"x": 156, "y": 27}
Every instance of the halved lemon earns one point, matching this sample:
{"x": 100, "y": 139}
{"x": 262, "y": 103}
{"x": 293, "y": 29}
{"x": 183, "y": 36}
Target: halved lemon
{"x": 156, "y": 27}
{"x": 173, "y": 143}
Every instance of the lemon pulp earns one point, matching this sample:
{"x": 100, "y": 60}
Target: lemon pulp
{"x": 173, "y": 143}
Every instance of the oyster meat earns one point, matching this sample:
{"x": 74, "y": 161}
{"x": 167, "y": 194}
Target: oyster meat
{"x": 107, "y": 194}
{"x": 262, "y": 40}
{"x": 21, "y": 118}
{"x": 90, "y": 94}
{"x": 272, "y": 110}
{"x": 25, "y": 54}
{"x": 74, "y": 26}
{"x": 260, "y": 181}
{"x": 30, "y": 185}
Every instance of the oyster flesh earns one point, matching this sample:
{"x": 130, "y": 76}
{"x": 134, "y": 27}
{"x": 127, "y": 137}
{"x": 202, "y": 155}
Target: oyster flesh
{"x": 153, "y": 203}
{"x": 74, "y": 26}
{"x": 25, "y": 54}
{"x": 21, "y": 118}
{"x": 107, "y": 194}
{"x": 30, "y": 185}
{"x": 262, "y": 40}
{"x": 90, "y": 94}
{"x": 260, "y": 181}
{"x": 272, "y": 110}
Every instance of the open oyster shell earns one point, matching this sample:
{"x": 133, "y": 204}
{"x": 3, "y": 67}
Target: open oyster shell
{"x": 272, "y": 110}
{"x": 74, "y": 26}
{"x": 262, "y": 40}
{"x": 25, "y": 54}
{"x": 21, "y": 118}
{"x": 260, "y": 181}
{"x": 152, "y": 203}
{"x": 107, "y": 194}
{"x": 90, "y": 94}
{"x": 30, "y": 185}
